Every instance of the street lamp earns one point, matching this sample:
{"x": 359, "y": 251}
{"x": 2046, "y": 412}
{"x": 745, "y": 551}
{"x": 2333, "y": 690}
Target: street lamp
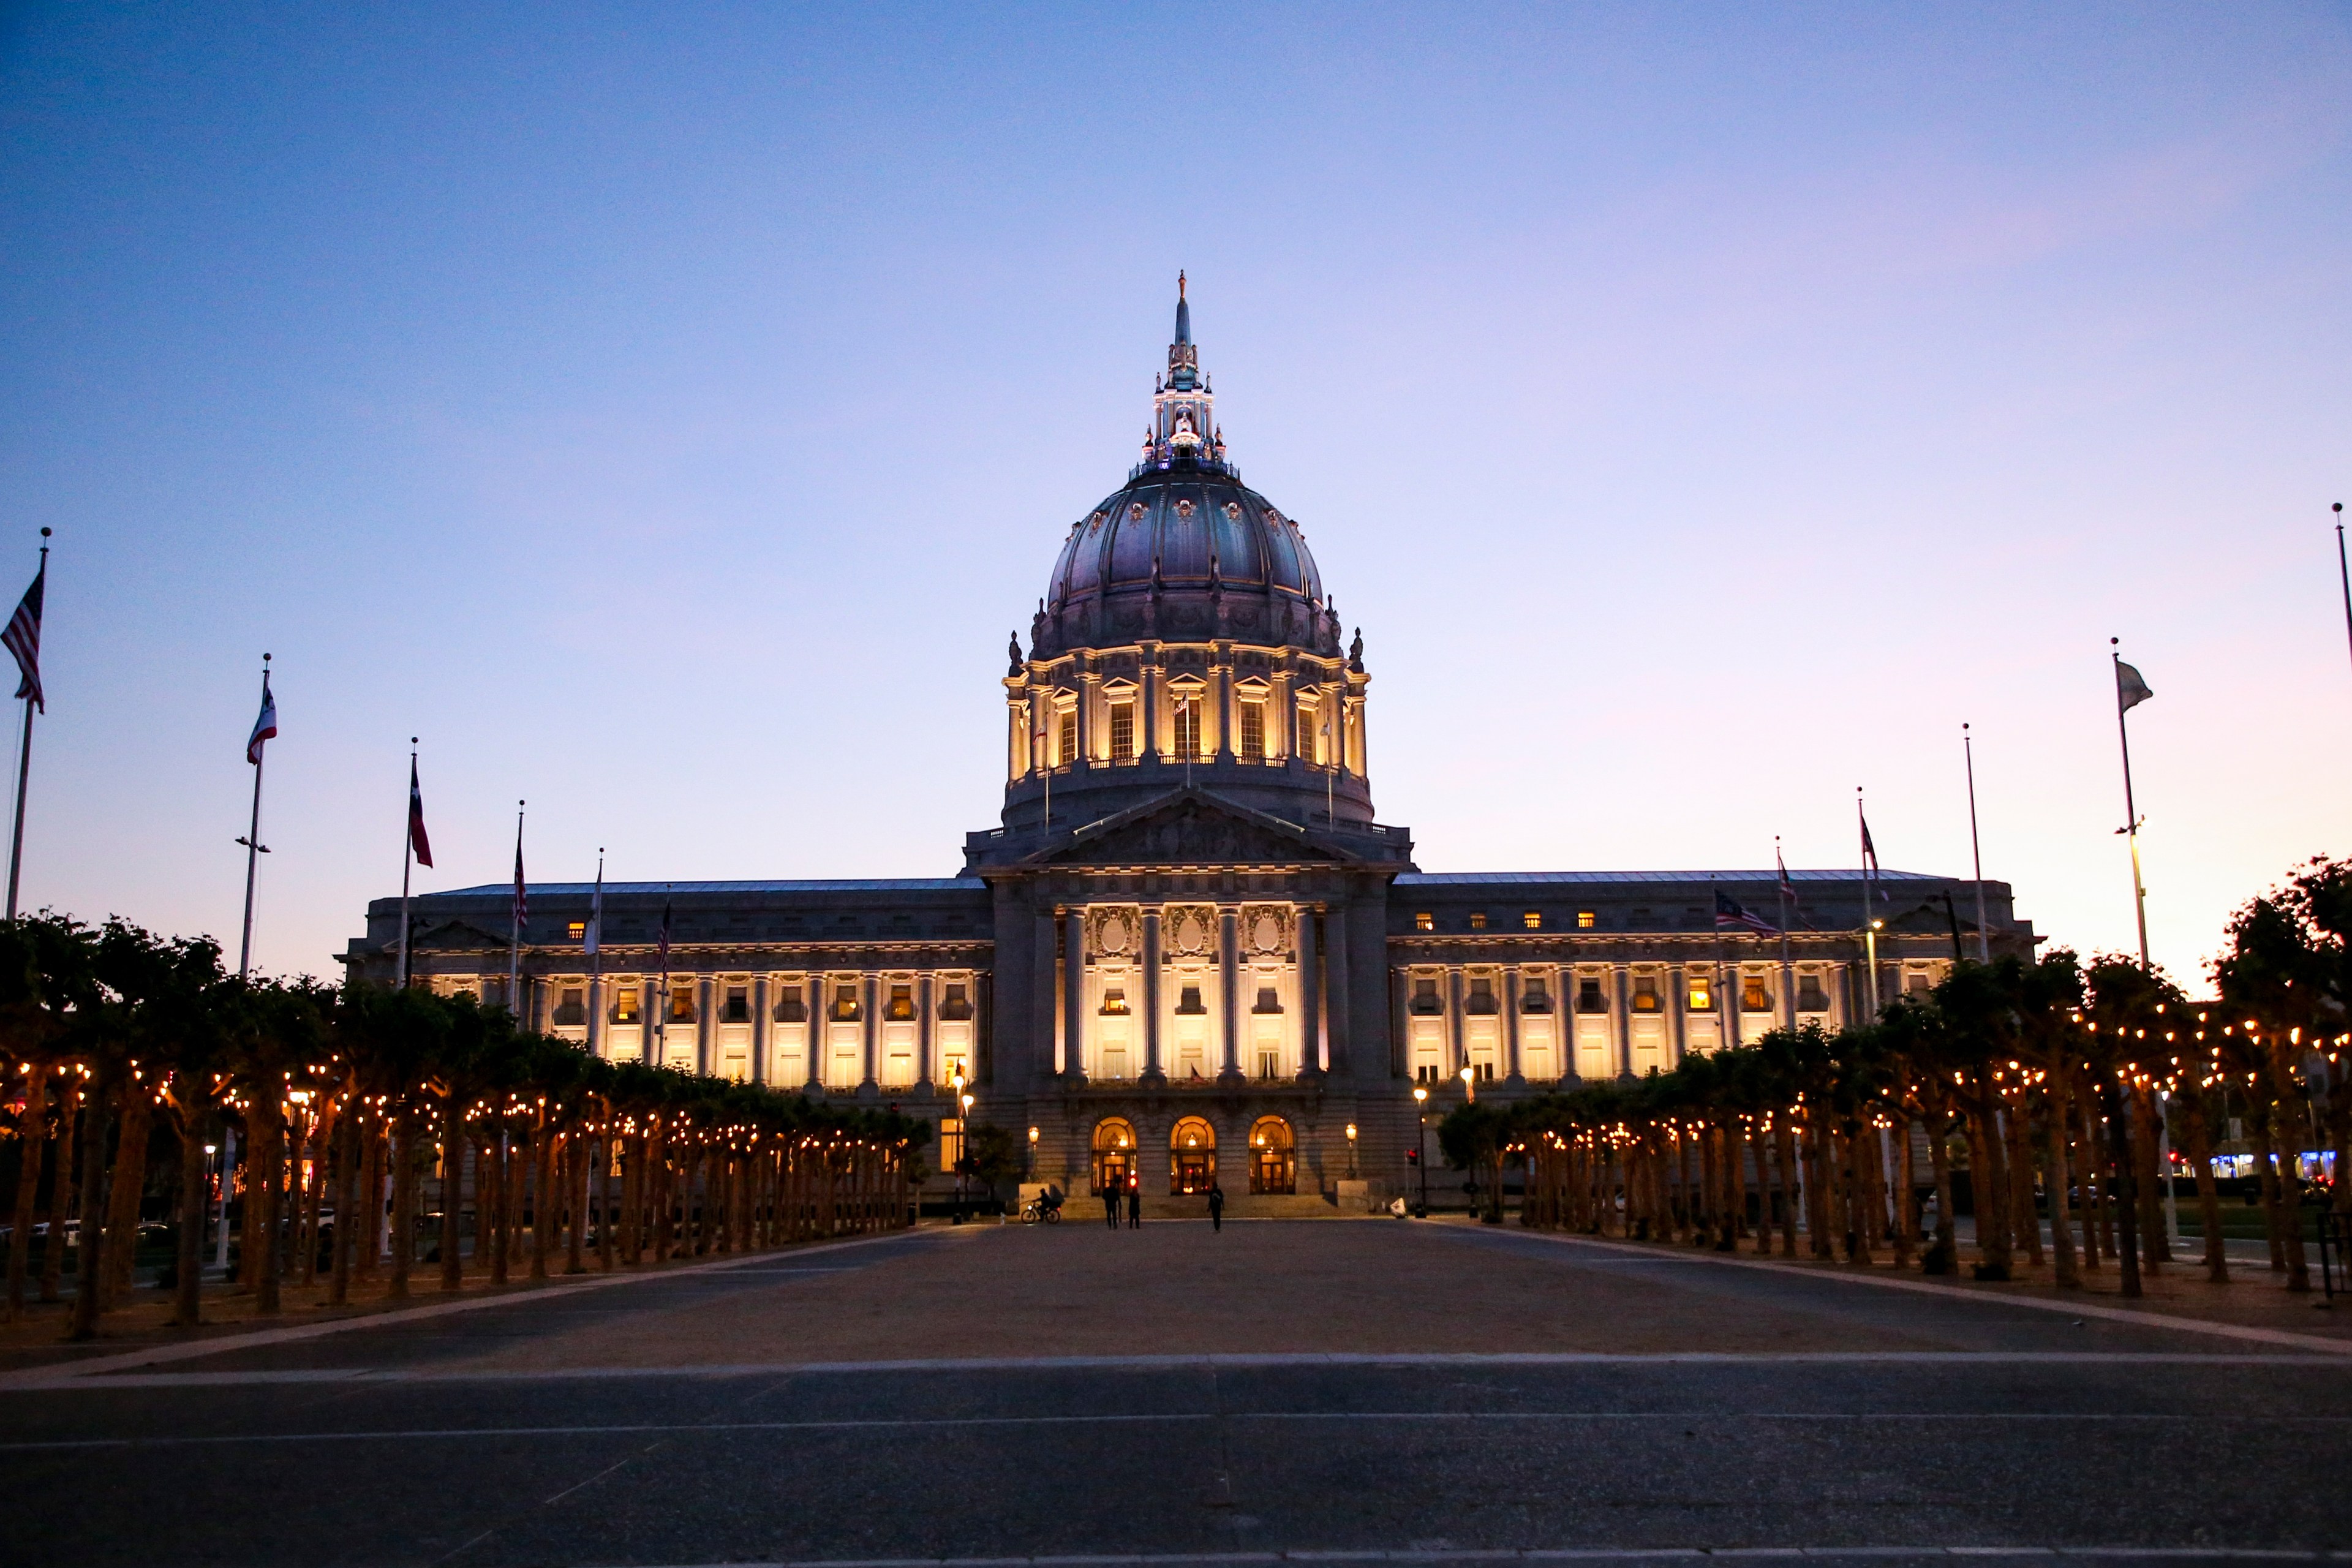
{"x": 964, "y": 1135}
{"x": 1351, "y": 1151}
{"x": 1421, "y": 1147}
{"x": 1469, "y": 1083}
{"x": 1033, "y": 1153}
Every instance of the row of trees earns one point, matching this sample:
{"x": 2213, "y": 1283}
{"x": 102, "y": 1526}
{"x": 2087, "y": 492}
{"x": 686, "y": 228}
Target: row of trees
{"x": 2051, "y": 1083}
{"x": 365, "y": 1118}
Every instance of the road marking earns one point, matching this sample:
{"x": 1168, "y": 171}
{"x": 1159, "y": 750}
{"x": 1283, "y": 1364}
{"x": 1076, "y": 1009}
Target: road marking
{"x": 1567, "y": 1554}
{"x": 1960, "y": 1293}
{"x": 66, "y": 1373}
{"x": 1177, "y": 1417}
{"x": 1469, "y": 1360}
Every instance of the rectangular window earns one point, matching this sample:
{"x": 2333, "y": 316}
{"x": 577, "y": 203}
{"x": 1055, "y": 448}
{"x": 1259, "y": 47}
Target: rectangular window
{"x": 844, "y": 1004}
{"x": 1114, "y": 1002}
{"x": 1424, "y": 919}
{"x": 955, "y": 1004}
{"x": 1479, "y": 920}
{"x": 1533, "y": 997}
{"x": 1917, "y": 983}
{"x": 1480, "y": 999}
{"x": 1122, "y": 732}
{"x": 1066, "y": 738}
{"x": 570, "y": 1006}
{"x": 681, "y": 1004}
{"x": 1269, "y": 1000}
{"x": 1188, "y": 724}
{"x": 1252, "y": 730}
{"x": 1532, "y": 919}
{"x": 1586, "y": 920}
{"x": 625, "y": 1005}
{"x": 1810, "y": 998}
{"x": 951, "y": 1143}
{"x": 1700, "y": 998}
{"x": 1645, "y": 995}
{"x": 902, "y": 1002}
{"x": 792, "y": 1008}
{"x": 1589, "y": 998}
{"x": 578, "y": 930}
{"x": 1424, "y": 995}
{"x": 1310, "y": 731}
{"x": 1269, "y": 1064}
{"x": 738, "y": 1004}
{"x": 1755, "y": 997}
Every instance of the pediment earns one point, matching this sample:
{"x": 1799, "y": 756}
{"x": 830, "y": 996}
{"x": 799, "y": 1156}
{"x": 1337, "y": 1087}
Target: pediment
{"x": 455, "y": 936}
{"x": 1192, "y": 827}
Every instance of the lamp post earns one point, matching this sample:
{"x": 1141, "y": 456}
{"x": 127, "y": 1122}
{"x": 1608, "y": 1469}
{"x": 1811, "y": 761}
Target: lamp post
{"x": 1033, "y": 1153}
{"x": 1421, "y": 1147}
{"x": 1469, "y": 1084}
{"x": 1351, "y": 1151}
{"x": 963, "y": 1137}
{"x": 965, "y": 1102}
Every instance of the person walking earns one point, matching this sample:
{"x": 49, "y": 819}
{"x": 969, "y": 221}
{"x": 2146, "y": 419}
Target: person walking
{"x": 1110, "y": 1205}
{"x": 1135, "y": 1203}
{"x": 1216, "y": 1206}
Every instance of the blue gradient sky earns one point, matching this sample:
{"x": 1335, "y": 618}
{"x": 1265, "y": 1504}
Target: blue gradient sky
{"x": 666, "y": 412}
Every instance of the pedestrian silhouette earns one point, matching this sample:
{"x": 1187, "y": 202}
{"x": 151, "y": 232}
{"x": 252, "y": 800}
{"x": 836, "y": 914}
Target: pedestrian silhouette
{"x": 1110, "y": 1206}
{"x": 1134, "y": 1203}
{"x": 1216, "y": 1206}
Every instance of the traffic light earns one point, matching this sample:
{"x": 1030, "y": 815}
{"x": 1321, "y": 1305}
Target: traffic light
{"x": 1412, "y": 1156}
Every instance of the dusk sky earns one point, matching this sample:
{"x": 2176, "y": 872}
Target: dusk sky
{"x": 666, "y": 413}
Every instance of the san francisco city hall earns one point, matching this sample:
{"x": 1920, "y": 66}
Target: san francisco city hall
{"x": 1187, "y": 951}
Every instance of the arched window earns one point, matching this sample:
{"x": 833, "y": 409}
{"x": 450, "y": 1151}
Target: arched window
{"x": 1191, "y": 1155}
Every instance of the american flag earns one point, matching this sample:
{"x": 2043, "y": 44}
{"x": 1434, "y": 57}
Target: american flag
{"x": 1730, "y": 913}
{"x": 1788, "y": 890}
{"x": 23, "y": 636}
{"x": 266, "y": 727}
{"x": 665, "y": 934}
{"x": 521, "y": 892}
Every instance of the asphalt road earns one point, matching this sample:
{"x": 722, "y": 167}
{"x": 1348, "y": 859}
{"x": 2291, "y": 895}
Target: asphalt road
{"x": 1010, "y": 1394}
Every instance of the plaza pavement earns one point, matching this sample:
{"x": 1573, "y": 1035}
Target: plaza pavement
{"x": 1308, "y": 1388}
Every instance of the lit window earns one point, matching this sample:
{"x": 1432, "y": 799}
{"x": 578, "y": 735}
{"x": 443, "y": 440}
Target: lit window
{"x": 1188, "y": 724}
{"x": 1532, "y": 919}
{"x": 1754, "y": 997}
{"x": 579, "y": 929}
{"x": 1645, "y": 995}
{"x": 1310, "y": 731}
{"x": 1702, "y": 993}
{"x": 681, "y": 1004}
{"x": 1586, "y": 920}
{"x": 1252, "y": 730}
{"x": 625, "y": 1005}
{"x": 1122, "y": 732}
{"x": 1066, "y": 738}
{"x": 844, "y": 1004}
{"x": 1114, "y": 1002}
{"x": 1479, "y": 920}
{"x": 902, "y": 1002}
{"x": 951, "y": 1143}
{"x": 1424, "y": 919}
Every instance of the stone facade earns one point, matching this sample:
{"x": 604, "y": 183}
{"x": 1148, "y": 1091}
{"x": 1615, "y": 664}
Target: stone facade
{"x": 1187, "y": 949}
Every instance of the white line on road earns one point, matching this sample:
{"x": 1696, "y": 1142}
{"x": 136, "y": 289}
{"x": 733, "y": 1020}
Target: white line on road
{"x": 1566, "y": 1554}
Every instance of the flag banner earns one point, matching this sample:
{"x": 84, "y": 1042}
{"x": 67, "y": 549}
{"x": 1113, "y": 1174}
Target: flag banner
{"x": 263, "y": 728}
{"x": 23, "y": 638}
{"x": 1788, "y": 891}
{"x": 521, "y": 890}
{"x": 416, "y": 840}
{"x": 595, "y": 932}
{"x": 1730, "y": 913}
{"x": 665, "y": 934}
{"x": 2130, "y": 690}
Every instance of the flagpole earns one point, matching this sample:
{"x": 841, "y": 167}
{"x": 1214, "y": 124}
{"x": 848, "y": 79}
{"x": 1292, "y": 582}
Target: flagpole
{"x": 25, "y": 755}
{"x": 597, "y": 1045}
{"x": 1780, "y": 892}
{"x": 2131, "y": 812}
{"x": 514, "y": 942}
{"x": 2344, "y": 570}
{"x": 1969, "y": 755}
{"x": 253, "y": 838}
{"x": 407, "y": 853}
{"x": 1869, "y": 903}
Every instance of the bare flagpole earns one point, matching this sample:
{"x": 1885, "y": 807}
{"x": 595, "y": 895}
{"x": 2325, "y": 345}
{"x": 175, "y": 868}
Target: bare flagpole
{"x": 514, "y": 940}
{"x": 1968, "y": 754}
{"x": 2344, "y": 570}
{"x": 1780, "y": 892}
{"x": 254, "y": 848}
{"x": 407, "y": 853}
{"x": 32, "y": 696}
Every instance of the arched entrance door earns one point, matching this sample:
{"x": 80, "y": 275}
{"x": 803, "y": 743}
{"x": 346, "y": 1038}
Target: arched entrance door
{"x": 1273, "y": 1166}
{"x": 1115, "y": 1150}
{"x": 1191, "y": 1155}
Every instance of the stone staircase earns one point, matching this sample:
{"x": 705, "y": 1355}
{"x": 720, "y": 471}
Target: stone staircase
{"x": 1238, "y": 1206}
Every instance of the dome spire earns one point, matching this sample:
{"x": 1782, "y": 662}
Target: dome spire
{"x": 1183, "y": 316}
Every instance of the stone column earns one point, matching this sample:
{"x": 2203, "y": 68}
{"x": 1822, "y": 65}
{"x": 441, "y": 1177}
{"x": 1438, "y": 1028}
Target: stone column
{"x": 1229, "y": 984}
{"x": 870, "y": 986}
{"x": 763, "y": 1028}
{"x": 1074, "y": 992}
{"x": 1511, "y": 1024}
{"x": 818, "y": 1043}
{"x": 1621, "y": 1019}
{"x": 1728, "y": 1005}
{"x": 1456, "y": 1045}
{"x": 1222, "y": 674}
{"x": 1146, "y": 702}
{"x": 1677, "y": 1008}
{"x": 1339, "y": 1017}
{"x": 1399, "y": 1022}
{"x": 926, "y": 1051}
{"x": 1152, "y": 1071}
{"x": 706, "y": 1027}
{"x": 1089, "y": 684}
{"x": 1044, "y": 997}
{"x": 1312, "y": 1054}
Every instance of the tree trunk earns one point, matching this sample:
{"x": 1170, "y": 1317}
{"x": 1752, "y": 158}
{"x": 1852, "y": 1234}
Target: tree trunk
{"x": 2288, "y": 1137}
{"x": 61, "y": 1188}
{"x": 32, "y": 1140}
{"x": 542, "y": 1198}
{"x": 2259, "y": 1116}
{"x": 126, "y": 1190}
{"x": 367, "y": 1241}
{"x": 188, "y": 1263}
{"x": 324, "y": 1127}
{"x": 2062, "y": 1235}
{"x": 496, "y": 1156}
{"x": 2098, "y": 1224}
{"x": 2126, "y": 1205}
{"x": 349, "y": 1227}
{"x": 2208, "y": 1192}
{"x": 1784, "y": 1160}
{"x": 89, "y": 1271}
{"x": 1907, "y": 1187}
{"x": 1992, "y": 1195}
{"x": 264, "y": 1173}
{"x": 453, "y": 1193}
{"x": 603, "y": 1156}
{"x": 2025, "y": 1220}
{"x": 401, "y": 1156}
{"x": 1944, "y": 1252}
